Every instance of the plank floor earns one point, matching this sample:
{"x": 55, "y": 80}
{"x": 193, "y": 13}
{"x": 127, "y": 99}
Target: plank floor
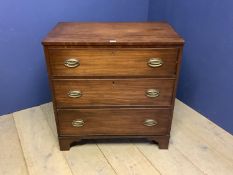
{"x": 29, "y": 146}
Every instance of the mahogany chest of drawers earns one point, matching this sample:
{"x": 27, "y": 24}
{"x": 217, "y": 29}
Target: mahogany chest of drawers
{"x": 113, "y": 80}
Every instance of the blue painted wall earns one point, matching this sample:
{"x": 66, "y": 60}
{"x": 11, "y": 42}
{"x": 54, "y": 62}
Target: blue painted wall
{"x": 206, "y": 82}
{"x": 23, "y": 77}
{"x": 157, "y": 10}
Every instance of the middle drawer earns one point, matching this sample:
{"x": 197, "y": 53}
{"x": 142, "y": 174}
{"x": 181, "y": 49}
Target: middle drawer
{"x": 111, "y": 92}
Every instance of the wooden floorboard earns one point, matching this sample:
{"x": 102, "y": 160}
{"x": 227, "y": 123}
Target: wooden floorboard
{"x": 40, "y": 147}
{"x": 200, "y": 154}
{"x": 168, "y": 162}
{"x": 201, "y": 127}
{"x": 87, "y": 159}
{"x": 197, "y": 147}
{"x": 11, "y": 155}
{"x": 125, "y": 158}
{"x": 47, "y": 109}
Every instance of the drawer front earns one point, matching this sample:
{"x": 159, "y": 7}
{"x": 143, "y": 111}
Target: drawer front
{"x": 114, "y": 121}
{"x": 113, "y": 62}
{"x": 123, "y": 92}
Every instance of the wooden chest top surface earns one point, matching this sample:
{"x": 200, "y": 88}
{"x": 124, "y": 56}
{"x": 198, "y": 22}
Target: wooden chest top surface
{"x": 140, "y": 33}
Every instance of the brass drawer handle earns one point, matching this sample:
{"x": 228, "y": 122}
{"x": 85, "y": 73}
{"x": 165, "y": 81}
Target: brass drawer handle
{"x": 150, "y": 122}
{"x": 71, "y": 63}
{"x": 155, "y": 62}
{"x": 78, "y": 123}
{"x": 152, "y": 93}
{"x": 74, "y": 94}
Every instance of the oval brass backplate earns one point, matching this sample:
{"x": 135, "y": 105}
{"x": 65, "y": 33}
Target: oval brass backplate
{"x": 155, "y": 62}
{"x": 150, "y": 122}
{"x": 152, "y": 93}
{"x": 75, "y": 94}
{"x": 72, "y": 63}
{"x": 78, "y": 123}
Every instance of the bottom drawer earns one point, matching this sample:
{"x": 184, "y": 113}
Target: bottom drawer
{"x": 84, "y": 122}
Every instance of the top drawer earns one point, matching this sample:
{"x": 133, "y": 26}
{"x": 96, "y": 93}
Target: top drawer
{"x": 113, "y": 62}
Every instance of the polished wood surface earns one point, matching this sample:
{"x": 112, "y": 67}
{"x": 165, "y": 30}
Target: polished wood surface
{"x": 105, "y": 66}
{"x": 121, "y": 92}
{"x": 117, "y": 122}
{"x": 113, "y": 62}
{"x": 143, "y": 34}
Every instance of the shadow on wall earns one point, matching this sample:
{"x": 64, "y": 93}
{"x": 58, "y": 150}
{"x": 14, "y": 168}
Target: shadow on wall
{"x": 23, "y": 73}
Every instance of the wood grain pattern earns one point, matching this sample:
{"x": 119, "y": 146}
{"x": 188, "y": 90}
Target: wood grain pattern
{"x": 126, "y": 159}
{"x": 48, "y": 112}
{"x": 200, "y": 153}
{"x": 144, "y": 33}
{"x": 168, "y": 162}
{"x": 217, "y": 137}
{"x": 11, "y": 155}
{"x": 119, "y": 92}
{"x": 39, "y": 145}
{"x": 113, "y": 62}
{"x": 113, "y": 73}
{"x": 46, "y": 52}
{"x": 88, "y": 159}
{"x": 117, "y": 122}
